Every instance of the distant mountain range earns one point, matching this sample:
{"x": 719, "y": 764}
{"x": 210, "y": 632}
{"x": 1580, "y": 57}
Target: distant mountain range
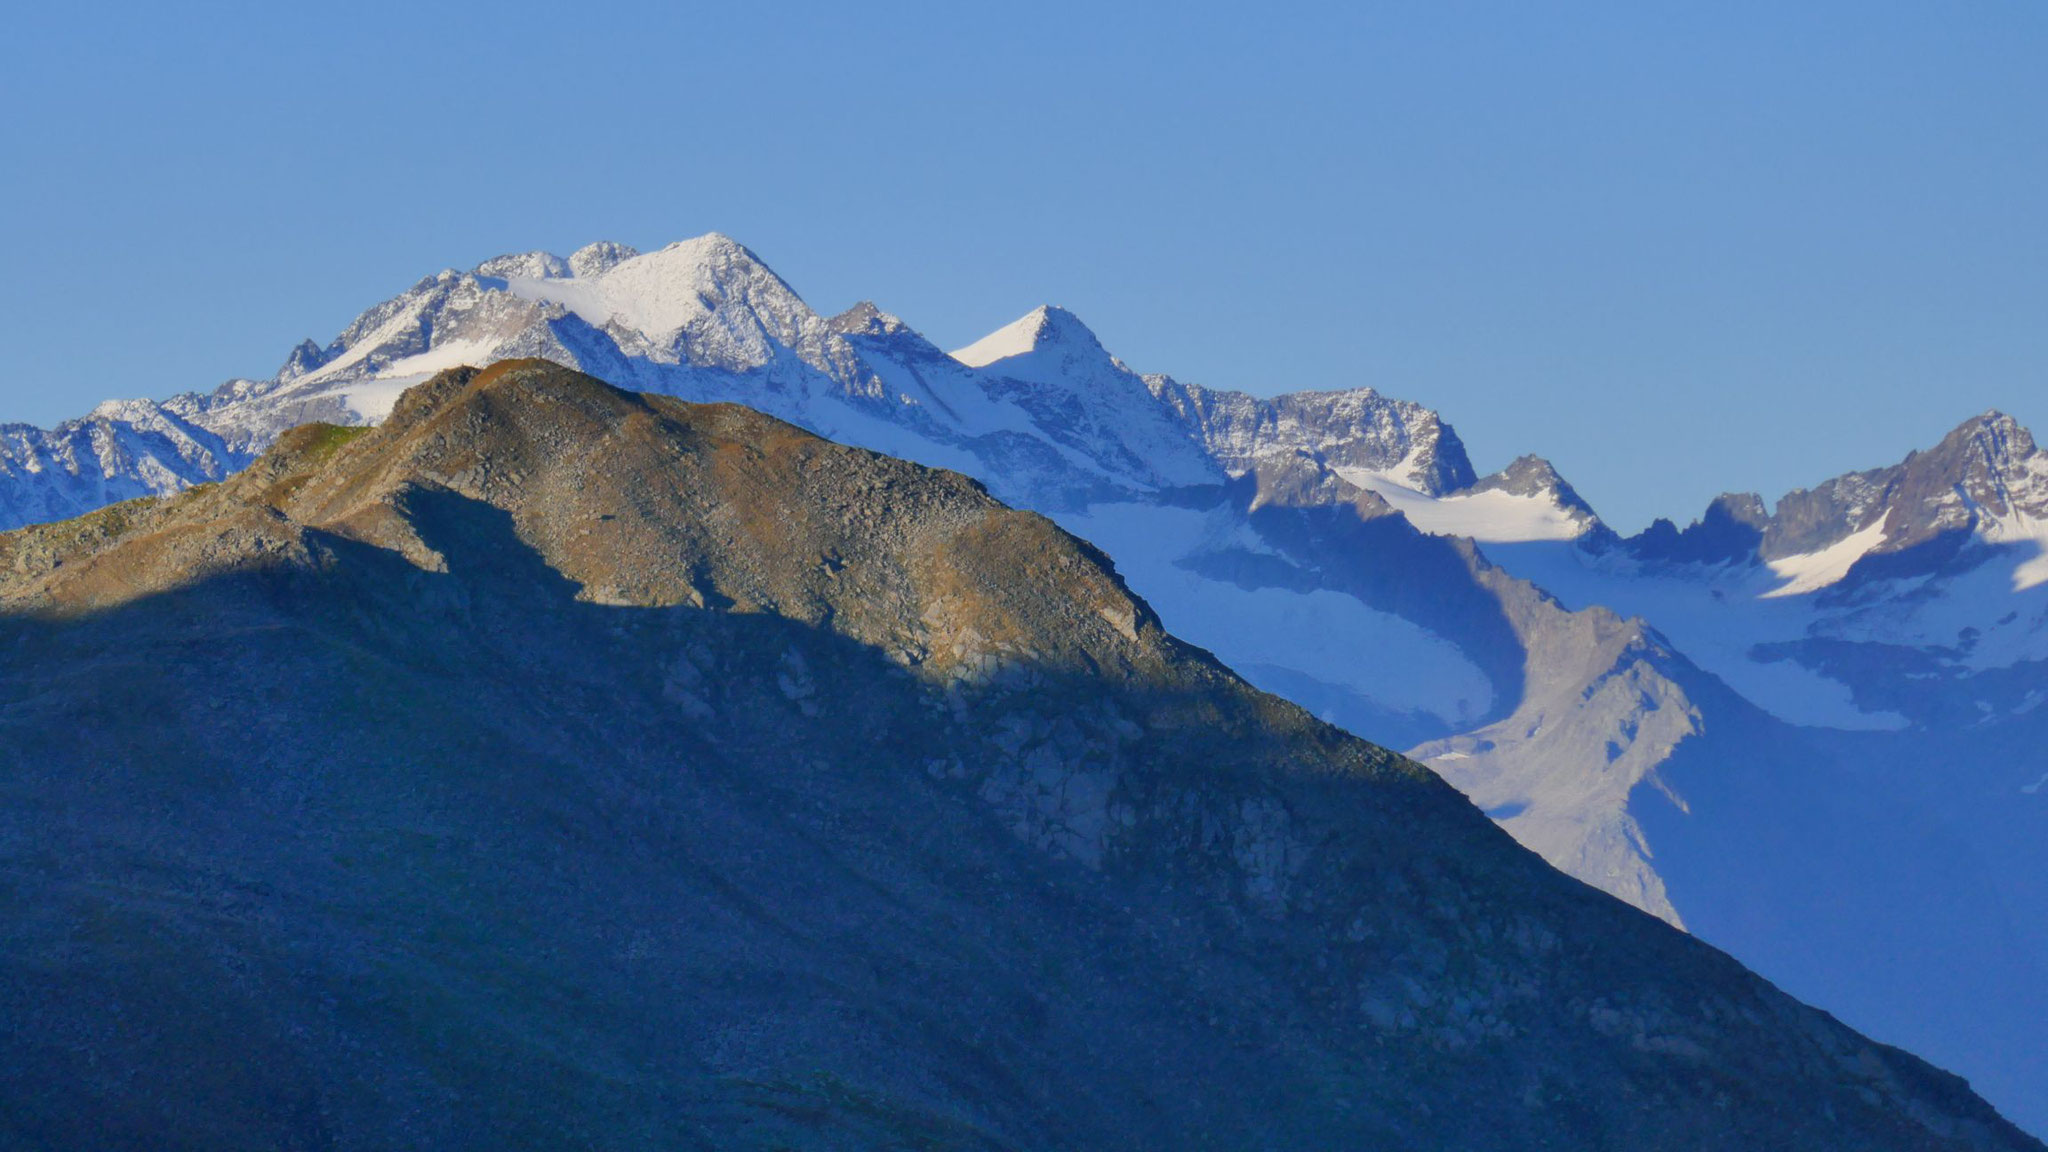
{"x": 558, "y": 766}
{"x": 1810, "y": 733}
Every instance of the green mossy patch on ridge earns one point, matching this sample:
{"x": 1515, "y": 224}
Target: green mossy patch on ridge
{"x": 315, "y": 443}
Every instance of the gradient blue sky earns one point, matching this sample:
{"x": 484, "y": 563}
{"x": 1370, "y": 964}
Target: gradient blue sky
{"x": 1676, "y": 247}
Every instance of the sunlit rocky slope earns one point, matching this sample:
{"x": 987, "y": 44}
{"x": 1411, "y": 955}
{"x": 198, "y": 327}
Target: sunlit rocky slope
{"x": 557, "y": 766}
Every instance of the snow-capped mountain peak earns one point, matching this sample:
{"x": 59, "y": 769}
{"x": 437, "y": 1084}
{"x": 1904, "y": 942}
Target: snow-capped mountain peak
{"x": 1940, "y": 555}
{"x": 1038, "y": 344}
{"x": 1358, "y": 431}
{"x": 1990, "y": 460}
{"x": 1986, "y": 479}
{"x": 692, "y": 286}
{"x": 867, "y": 319}
{"x": 705, "y": 303}
{"x": 598, "y": 258}
{"x": 525, "y": 265}
{"x": 705, "y": 319}
{"x": 129, "y": 410}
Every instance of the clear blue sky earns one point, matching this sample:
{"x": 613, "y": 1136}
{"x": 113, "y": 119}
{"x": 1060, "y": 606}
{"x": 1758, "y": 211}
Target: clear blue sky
{"x": 1676, "y": 247}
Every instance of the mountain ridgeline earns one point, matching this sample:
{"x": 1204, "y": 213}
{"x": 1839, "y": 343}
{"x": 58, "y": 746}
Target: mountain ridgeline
{"x": 554, "y": 765}
{"x": 1806, "y": 730}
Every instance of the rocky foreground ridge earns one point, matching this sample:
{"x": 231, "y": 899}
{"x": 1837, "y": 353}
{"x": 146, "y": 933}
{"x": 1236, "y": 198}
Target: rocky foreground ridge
{"x": 555, "y": 765}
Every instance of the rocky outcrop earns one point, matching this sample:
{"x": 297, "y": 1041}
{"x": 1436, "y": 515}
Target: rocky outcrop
{"x": 1985, "y": 471}
{"x": 1356, "y": 428}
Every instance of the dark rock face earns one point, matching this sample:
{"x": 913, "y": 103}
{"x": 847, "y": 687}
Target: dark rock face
{"x": 554, "y": 766}
{"x": 1988, "y": 467}
{"x": 305, "y": 358}
{"x": 1731, "y": 532}
{"x": 1533, "y": 476}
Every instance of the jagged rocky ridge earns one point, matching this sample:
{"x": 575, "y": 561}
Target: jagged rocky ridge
{"x": 121, "y": 450}
{"x": 557, "y": 765}
{"x": 1985, "y": 478}
{"x": 1660, "y": 721}
{"x": 1044, "y": 412}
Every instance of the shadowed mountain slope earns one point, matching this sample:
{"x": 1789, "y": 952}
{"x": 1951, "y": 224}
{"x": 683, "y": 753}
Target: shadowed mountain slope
{"x": 556, "y": 766}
